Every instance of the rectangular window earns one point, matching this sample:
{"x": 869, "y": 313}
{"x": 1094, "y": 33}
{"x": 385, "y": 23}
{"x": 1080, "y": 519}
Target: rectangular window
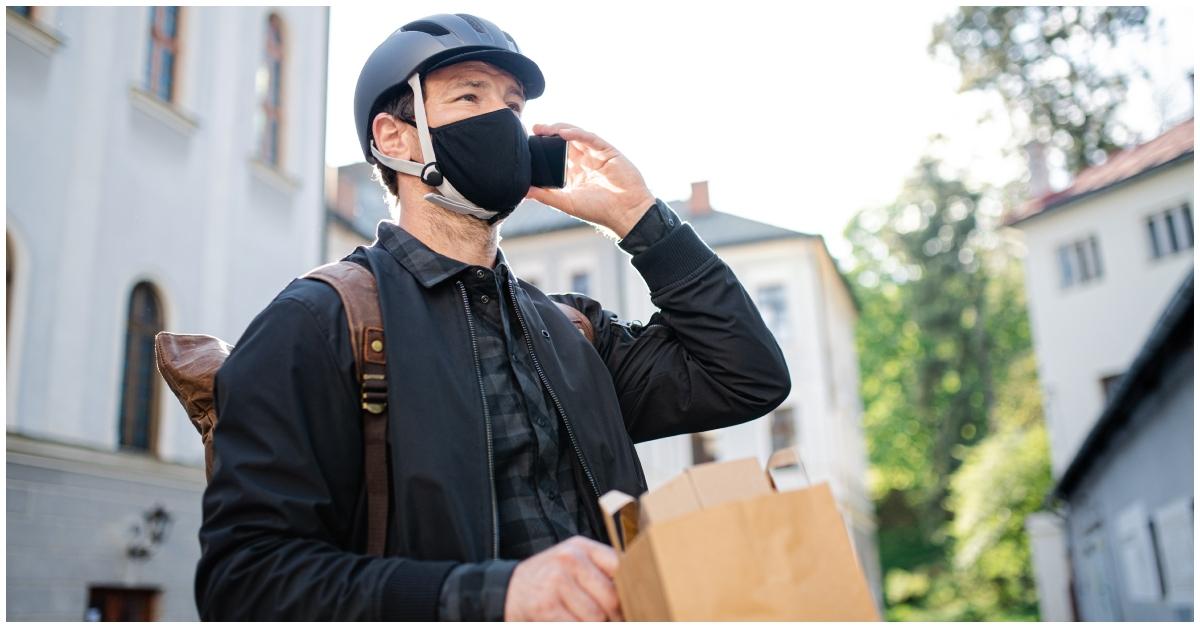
{"x": 1097, "y": 267}
{"x": 1109, "y": 385}
{"x": 1152, "y": 230}
{"x": 1189, "y": 234}
{"x": 1066, "y": 273}
{"x": 772, "y": 305}
{"x": 581, "y": 282}
{"x": 1170, "y": 231}
{"x": 1080, "y": 262}
{"x": 163, "y": 52}
{"x": 1085, "y": 271}
{"x": 1172, "y": 237}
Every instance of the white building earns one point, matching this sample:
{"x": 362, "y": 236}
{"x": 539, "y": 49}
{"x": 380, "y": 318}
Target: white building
{"x": 802, "y": 296}
{"x": 165, "y": 171}
{"x": 1105, "y": 258}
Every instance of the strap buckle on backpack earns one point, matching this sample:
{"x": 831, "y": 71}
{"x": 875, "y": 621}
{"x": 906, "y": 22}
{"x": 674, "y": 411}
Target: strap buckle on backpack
{"x": 374, "y": 393}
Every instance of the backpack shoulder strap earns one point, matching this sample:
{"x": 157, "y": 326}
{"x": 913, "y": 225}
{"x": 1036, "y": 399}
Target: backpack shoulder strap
{"x": 360, "y": 297}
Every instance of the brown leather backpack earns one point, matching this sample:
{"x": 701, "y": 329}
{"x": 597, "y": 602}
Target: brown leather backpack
{"x": 189, "y": 363}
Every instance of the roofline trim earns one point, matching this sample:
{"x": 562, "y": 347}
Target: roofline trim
{"x": 1082, "y": 196}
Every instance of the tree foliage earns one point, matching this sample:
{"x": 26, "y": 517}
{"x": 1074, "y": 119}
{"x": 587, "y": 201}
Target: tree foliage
{"x": 1048, "y": 64}
{"x": 949, "y": 391}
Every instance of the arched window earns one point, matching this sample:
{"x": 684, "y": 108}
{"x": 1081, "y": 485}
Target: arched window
{"x": 163, "y": 59}
{"x": 9, "y": 270}
{"x": 269, "y": 87}
{"x": 139, "y": 391}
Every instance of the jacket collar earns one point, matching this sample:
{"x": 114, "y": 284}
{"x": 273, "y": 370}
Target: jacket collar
{"x": 428, "y": 266}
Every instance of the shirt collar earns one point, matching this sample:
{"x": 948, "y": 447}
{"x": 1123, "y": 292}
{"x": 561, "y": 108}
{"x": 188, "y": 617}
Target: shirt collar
{"x": 428, "y": 266}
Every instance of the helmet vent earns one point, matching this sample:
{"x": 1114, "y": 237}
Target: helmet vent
{"x": 474, "y": 22}
{"x": 424, "y": 26}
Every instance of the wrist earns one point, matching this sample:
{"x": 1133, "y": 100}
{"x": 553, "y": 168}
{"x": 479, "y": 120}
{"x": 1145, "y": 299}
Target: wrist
{"x": 628, "y": 219}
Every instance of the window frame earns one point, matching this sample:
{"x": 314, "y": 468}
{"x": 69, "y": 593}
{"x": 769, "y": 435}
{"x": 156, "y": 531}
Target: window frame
{"x": 1080, "y": 261}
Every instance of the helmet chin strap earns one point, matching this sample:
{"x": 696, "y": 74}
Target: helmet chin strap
{"x": 450, "y": 198}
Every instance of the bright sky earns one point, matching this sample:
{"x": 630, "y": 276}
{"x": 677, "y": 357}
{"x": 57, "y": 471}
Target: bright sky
{"x": 796, "y": 116}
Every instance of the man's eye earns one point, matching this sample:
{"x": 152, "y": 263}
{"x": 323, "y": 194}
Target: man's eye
{"x": 470, "y": 97}
{"x": 515, "y": 107}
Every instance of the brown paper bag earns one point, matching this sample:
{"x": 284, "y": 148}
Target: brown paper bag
{"x": 719, "y": 542}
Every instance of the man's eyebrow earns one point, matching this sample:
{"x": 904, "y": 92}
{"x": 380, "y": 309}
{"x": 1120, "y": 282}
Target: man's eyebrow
{"x": 475, "y": 83}
{"x": 513, "y": 90}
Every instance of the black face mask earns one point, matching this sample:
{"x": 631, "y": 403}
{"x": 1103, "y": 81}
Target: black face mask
{"x": 486, "y": 158}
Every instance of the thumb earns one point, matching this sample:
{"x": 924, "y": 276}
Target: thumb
{"x": 554, "y": 198}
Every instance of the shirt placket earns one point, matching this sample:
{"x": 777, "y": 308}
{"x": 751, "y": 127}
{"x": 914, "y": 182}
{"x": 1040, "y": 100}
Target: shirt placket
{"x": 542, "y": 421}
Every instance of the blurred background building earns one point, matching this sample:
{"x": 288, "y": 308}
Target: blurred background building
{"x": 791, "y": 277}
{"x": 1109, "y": 279}
{"x": 165, "y": 170}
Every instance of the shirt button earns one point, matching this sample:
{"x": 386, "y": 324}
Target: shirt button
{"x": 553, "y": 495}
{"x": 480, "y": 273}
{"x": 484, "y": 299}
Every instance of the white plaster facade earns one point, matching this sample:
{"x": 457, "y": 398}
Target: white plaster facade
{"x": 107, "y": 186}
{"x": 1086, "y": 332}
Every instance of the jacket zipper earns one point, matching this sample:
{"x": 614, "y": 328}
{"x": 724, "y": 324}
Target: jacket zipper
{"x": 554, "y": 397}
{"x": 487, "y": 418}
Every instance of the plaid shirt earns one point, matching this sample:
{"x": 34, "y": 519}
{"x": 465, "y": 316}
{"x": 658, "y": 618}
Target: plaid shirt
{"x": 534, "y": 462}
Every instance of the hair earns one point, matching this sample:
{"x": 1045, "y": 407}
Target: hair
{"x": 397, "y": 103}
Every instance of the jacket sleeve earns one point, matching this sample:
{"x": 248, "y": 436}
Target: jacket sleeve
{"x": 279, "y": 513}
{"x": 705, "y": 360}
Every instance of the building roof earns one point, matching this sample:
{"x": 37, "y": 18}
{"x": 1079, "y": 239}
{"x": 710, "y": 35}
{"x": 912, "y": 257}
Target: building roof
{"x": 717, "y": 228}
{"x": 1172, "y": 334}
{"x": 1172, "y": 147}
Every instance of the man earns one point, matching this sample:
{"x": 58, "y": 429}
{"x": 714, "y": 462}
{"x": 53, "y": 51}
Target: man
{"x": 505, "y": 424}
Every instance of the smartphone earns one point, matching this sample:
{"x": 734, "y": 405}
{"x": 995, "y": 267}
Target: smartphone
{"x": 549, "y": 160}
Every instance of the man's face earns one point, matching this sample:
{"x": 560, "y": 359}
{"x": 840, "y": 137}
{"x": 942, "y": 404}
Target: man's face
{"x": 468, "y": 89}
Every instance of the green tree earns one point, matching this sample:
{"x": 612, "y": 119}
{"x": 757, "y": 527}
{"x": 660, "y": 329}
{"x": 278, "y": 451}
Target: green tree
{"x": 1052, "y": 67}
{"x": 943, "y": 323}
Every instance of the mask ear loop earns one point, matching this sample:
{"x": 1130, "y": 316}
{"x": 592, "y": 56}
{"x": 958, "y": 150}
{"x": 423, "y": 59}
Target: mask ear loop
{"x": 428, "y": 173}
{"x": 450, "y": 198}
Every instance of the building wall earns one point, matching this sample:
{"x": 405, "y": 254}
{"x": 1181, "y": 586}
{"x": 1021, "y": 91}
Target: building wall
{"x": 69, "y": 513}
{"x": 1084, "y": 333}
{"x": 1146, "y": 466}
{"x": 109, "y": 186}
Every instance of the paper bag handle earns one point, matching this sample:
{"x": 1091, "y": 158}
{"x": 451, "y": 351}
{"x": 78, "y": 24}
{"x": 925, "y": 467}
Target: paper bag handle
{"x": 619, "y": 508}
{"x": 786, "y": 457}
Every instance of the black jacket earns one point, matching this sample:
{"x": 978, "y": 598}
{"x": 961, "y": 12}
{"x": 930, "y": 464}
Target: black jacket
{"x": 283, "y": 533}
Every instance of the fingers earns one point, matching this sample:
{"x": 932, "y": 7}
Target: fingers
{"x": 581, "y": 604}
{"x": 600, "y": 589}
{"x": 603, "y": 557}
{"x": 595, "y": 569}
{"x": 573, "y": 133}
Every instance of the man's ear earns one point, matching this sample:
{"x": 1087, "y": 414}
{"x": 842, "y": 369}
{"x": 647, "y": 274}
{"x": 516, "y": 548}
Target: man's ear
{"x": 395, "y": 138}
